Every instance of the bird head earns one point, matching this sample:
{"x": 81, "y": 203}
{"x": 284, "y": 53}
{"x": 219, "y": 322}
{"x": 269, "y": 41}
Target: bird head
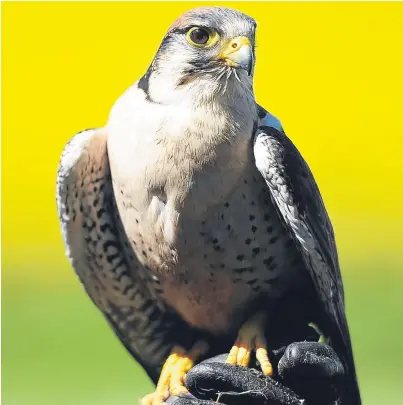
{"x": 206, "y": 51}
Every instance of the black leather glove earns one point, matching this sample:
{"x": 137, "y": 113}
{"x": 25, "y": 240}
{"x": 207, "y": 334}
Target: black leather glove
{"x": 306, "y": 373}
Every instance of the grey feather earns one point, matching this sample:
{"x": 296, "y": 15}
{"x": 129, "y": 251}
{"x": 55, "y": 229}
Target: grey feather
{"x": 300, "y": 206}
{"x": 98, "y": 250}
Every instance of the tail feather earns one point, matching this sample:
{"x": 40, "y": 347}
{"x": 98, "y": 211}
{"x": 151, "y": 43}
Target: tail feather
{"x": 341, "y": 342}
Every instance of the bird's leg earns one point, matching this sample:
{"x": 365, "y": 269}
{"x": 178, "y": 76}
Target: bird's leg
{"x": 322, "y": 337}
{"x": 173, "y": 374}
{"x": 251, "y": 336}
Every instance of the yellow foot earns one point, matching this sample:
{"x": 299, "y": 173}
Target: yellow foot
{"x": 251, "y": 337}
{"x": 173, "y": 374}
{"x": 322, "y": 337}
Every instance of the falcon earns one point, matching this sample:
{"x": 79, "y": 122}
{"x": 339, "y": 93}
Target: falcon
{"x": 191, "y": 219}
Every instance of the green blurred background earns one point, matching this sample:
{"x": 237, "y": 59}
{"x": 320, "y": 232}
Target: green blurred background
{"x": 337, "y": 88}
{"x": 57, "y": 349}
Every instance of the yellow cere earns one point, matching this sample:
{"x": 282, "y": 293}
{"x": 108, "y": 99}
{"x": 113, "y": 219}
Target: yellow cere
{"x": 232, "y": 46}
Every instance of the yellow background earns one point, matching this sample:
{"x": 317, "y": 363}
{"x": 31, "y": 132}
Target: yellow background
{"x": 332, "y": 72}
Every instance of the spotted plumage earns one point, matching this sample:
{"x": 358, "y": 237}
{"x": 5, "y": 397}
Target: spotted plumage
{"x": 191, "y": 210}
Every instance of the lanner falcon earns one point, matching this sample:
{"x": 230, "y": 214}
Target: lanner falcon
{"x": 191, "y": 219}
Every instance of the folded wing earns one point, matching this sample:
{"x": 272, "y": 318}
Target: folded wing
{"x": 299, "y": 204}
{"x": 98, "y": 250}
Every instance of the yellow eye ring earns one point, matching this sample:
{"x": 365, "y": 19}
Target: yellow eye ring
{"x": 202, "y": 37}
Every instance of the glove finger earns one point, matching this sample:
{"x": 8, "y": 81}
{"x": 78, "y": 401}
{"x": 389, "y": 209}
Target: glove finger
{"x": 313, "y": 370}
{"x": 310, "y": 359}
{"x": 237, "y": 385}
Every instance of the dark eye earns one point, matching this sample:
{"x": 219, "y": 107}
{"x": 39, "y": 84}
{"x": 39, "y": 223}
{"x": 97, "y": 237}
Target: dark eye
{"x": 202, "y": 37}
{"x": 199, "y": 36}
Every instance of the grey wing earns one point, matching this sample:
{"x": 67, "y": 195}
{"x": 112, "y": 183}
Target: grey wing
{"x": 300, "y": 206}
{"x": 97, "y": 248}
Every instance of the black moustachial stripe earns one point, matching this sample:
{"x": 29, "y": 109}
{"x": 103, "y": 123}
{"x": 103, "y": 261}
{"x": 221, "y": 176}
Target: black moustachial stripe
{"x": 143, "y": 83}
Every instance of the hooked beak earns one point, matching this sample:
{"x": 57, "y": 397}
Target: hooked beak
{"x": 238, "y": 53}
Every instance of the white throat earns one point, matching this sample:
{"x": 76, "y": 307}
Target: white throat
{"x": 222, "y": 85}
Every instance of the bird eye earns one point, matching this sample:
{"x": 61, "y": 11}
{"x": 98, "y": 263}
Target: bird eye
{"x": 201, "y": 37}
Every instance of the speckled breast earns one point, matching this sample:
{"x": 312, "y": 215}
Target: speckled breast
{"x": 219, "y": 266}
